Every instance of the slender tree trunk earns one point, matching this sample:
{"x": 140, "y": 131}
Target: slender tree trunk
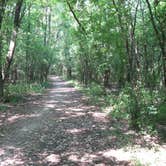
{"x": 2, "y": 11}
{"x": 11, "y": 51}
{"x": 1, "y": 86}
{"x": 27, "y": 70}
{"x": 86, "y": 72}
{"x": 106, "y": 78}
{"x": 12, "y": 45}
{"x": 49, "y": 25}
{"x": 46, "y": 26}
{"x": 163, "y": 48}
{"x": 161, "y": 40}
{"x": 15, "y": 74}
{"x": 69, "y": 72}
{"x": 76, "y": 18}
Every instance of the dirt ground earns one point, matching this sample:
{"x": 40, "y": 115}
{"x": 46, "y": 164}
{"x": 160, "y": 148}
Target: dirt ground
{"x": 61, "y": 128}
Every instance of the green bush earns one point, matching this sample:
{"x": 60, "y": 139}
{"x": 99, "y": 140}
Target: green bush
{"x": 21, "y": 89}
{"x": 161, "y": 116}
{"x": 96, "y": 90}
{"x": 3, "y": 108}
{"x": 142, "y": 107}
{"x": 15, "y": 93}
{"x": 45, "y": 84}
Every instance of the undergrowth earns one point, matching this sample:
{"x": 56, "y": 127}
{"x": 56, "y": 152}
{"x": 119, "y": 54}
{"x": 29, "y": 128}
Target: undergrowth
{"x": 3, "y": 107}
{"x": 143, "y": 108}
{"x": 15, "y": 92}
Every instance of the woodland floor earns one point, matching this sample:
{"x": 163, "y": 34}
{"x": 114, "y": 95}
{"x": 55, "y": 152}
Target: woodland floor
{"x": 61, "y": 128}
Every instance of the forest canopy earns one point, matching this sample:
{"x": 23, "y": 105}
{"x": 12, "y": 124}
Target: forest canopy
{"x": 115, "y": 44}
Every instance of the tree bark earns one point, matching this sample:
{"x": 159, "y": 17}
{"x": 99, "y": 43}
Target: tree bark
{"x": 2, "y": 11}
{"x": 106, "y": 78}
{"x": 12, "y": 45}
{"x": 27, "y": 52}
{"x": 1, "y": 87}
{"x": 161, "y": 40}
{"x": 76, "y": 18}
{"x": 69, "y": 72}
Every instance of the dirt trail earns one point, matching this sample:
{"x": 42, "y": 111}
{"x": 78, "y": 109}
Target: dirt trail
{"x": 60, "y": 129}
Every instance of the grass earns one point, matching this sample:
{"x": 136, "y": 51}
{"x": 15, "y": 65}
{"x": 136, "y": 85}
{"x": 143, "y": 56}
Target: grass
{"x": 3, "y": 107}
{"x": 123, "y": 104}
{"x": 15, "y": 93}
{"x": 116, "y": 105}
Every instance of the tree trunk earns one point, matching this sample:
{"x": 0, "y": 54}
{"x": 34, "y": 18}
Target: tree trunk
{"x": 1, "y": 86}
{"x": 15, "y": 75}
{"x": 86, "y": 72}
{"x": 69, "y": 72}
{"x": 12, "y": 45}
{"x": 161, "y": 40}
{"x": 164, "y": 63}
{"x": 10, "y": 54}
{"x": 2, "y": 11}
{"x": 27, "y": 52}
{"x": 106, "y": 78}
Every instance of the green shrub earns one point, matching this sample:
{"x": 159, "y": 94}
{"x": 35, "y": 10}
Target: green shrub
{"x": 15, "y": 93}
{"x": 140, "y": 106}
{"x": 96, "y": 90}
{"x": 161, "y": 116}
{"x": 21, "y": 89}
{"x": 3, "y": 108}
{"x": 45, "y": 84}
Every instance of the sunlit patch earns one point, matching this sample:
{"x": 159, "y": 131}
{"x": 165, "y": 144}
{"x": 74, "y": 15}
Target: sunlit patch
{"x": 78, "y": 114}
{"x": 71, "y": 115}
{"x": 143, "y": 155}
{"x": 98, "y": 116}
{"x": 62, "y": 83}
{"x": 69, "y": 101}
{"x": 84, "y": 159}
{"x": 75, "y": 109}
{"x": 109, "y": 109}
{"x": 53, "y": 158}
{"x": 66, "y": 90}
{"x": 12, "y": 161}
{"x": 119, "y": 154}
{"x": 63, "y": 118}
{"x": 11, "y": 156}
{"x": 59, "y": 109}
{"x": 90, "y": 108}
{"x": 74, "y": 114}
{"x": 50, "y": 105}
{"x": 88, "y": 157}
{"x": 50, "y": 101}
{"x": 76, "y": 131}
{"x": 2, "y": 118}
{"x": 74, "y": 158}
{"x": 2, "y": 151}
{"x": 16, "y": 117}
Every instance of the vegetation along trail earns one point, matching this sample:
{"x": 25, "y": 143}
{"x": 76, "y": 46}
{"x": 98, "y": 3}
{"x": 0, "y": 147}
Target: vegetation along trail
{"x": 60, "y": 128}
{"x": 82, "y": 82}
{"x": 57, "y": 129}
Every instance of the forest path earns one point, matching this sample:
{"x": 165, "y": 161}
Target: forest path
{"x": 59, "y": 128}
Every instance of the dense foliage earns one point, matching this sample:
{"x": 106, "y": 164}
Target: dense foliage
{"x": 118, "y": 45}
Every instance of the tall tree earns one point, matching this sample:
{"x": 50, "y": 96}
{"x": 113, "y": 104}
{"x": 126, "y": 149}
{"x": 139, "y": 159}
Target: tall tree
{"x": 2, "y": 11}
{"x": 12, "y": 44}
{"x": 160, "y": 34}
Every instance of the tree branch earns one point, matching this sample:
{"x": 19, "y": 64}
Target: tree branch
{"x": 75, "y": 17}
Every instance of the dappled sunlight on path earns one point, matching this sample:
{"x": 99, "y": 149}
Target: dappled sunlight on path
{"x": 61, "y": 129}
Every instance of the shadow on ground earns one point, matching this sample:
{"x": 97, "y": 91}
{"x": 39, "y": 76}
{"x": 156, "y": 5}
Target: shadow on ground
{"x": 59, "y": 128}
